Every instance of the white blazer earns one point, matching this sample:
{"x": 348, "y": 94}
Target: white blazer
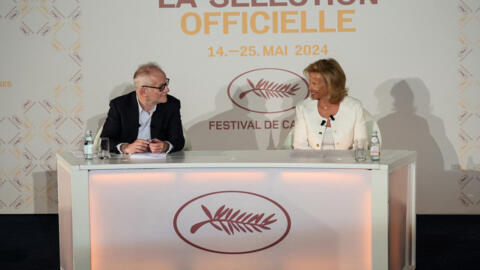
{"x": 349, "y": 125}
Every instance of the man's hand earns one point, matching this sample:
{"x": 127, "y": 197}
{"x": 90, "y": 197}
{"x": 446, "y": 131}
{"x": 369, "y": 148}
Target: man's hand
{"x": 157, "y": 146}
{"x": 138, "y": 146}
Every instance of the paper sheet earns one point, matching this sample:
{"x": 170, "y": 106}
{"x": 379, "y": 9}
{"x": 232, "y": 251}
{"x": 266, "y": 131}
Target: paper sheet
{"x": 148, "y": 156}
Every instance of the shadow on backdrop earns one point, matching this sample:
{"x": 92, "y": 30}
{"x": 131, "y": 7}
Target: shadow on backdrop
{"x": 95, "y": 122}
{"x": 408, "y": 123}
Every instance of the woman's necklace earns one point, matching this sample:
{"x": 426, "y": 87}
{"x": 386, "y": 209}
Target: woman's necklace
{"x": 324, "y": 106}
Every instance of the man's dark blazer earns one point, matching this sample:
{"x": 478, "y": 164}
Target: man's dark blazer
{"x": 122, "y": 122}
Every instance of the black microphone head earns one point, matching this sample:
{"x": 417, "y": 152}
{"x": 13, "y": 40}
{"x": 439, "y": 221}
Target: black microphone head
{"x": 323, "y": 122}
{"x": 331, "y": 117}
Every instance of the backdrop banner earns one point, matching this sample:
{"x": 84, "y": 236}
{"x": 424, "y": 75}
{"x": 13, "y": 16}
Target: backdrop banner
{"x": 237, "y": 67}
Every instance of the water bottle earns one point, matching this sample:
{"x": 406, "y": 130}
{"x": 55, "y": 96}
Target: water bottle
{"x": 88, "y": 146}
{"x": 375, "y": 147}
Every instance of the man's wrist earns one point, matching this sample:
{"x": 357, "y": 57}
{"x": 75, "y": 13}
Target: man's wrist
{"x": 169, "y": 147}
{"x": 121, "y": 147}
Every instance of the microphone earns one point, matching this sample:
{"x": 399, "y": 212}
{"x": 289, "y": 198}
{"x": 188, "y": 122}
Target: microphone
{"x": 331, "y": 117}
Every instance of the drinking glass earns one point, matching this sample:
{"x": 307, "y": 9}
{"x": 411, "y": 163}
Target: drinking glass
{"x": 104, "y": 152}
{"x": 360, "y": 148}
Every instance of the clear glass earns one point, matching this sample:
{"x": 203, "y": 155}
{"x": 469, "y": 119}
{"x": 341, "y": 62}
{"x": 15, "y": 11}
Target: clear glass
{"x": 104, "y": 152}
{"x": 360, "y": 148}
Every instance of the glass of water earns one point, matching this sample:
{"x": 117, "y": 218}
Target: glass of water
{"x": 360, "y": 150}
{"x": 104, "y": 152}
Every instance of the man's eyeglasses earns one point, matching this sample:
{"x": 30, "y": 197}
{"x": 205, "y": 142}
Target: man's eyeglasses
{"x": 161, "y": 87}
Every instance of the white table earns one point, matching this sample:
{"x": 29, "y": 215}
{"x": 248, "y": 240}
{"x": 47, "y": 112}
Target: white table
{"x": 321, "y": 210}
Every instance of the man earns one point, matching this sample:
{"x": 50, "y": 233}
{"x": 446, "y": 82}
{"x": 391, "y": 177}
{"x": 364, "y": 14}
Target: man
{"x": 145, "y": 120}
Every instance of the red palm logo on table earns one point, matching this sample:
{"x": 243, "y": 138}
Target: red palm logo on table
{"x": 224, "y": 220}
{"x": 251, "y": 223}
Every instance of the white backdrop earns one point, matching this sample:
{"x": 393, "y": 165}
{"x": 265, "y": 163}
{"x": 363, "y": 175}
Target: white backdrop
{"x": 413, "y": 64}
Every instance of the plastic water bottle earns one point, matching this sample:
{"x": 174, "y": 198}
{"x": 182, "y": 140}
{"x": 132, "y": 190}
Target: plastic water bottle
{"x": 88, "y": 146}
{"x": 375, "y": 147}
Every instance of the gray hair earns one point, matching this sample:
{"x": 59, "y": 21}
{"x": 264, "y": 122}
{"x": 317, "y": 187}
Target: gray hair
{"x": 145, "y": 70}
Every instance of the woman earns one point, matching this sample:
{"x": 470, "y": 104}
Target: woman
{"x": 329, "y": 119}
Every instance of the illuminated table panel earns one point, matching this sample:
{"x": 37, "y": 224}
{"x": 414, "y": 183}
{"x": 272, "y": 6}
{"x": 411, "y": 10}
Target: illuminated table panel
{"x": 308, "y": 210}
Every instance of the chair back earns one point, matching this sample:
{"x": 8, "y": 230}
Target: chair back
{"x": 288, "y": 142}
{"x": 96, "y": 141}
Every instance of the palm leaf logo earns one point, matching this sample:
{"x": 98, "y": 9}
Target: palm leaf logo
{"x": 265, "y": 89}
{"x": 228, "y": 221}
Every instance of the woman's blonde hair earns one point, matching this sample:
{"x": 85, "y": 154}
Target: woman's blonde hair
{"x": 333, "y": 75}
